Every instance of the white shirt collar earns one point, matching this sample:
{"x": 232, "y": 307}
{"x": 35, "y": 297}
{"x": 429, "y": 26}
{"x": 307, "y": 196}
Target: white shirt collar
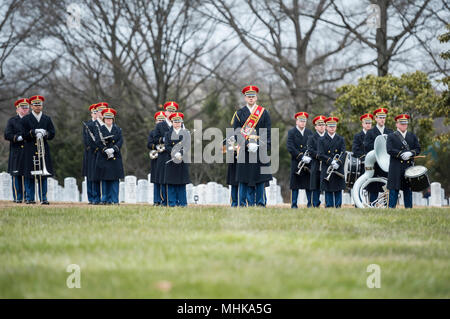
{"x": 250, "y": 108}
{"x": 109, "y": 128}
{"x": 321, "y": 134}
{"x": 177, "y": 130}
{"x": 168, "y": 122}
{"x": 332, "y": 136}
{"x": 381, "y": 129}
{"x": 100, "y": 121}
{"x": 301, "y": 131}
{"x": 364, "y": 131}
{"x": 403, "y": 134}
{"x": 37, "y": 116}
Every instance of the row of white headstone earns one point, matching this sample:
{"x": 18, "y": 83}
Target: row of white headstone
{"x": 132, "y": 190}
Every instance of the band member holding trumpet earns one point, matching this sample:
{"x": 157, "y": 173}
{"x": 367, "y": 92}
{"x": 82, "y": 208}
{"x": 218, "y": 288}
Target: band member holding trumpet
{"x": 152, "y": 144}
{"x": 13, "y": 134}
{"x": 252, "y": 122}
{"x": 369, "y": 140}
{"x": 402, "y": 146}
{"x": 332, "y": 152}
{"x": 297, "y": 143}
{"x": 96, "y": 126}
{"x": 163, "y": 156}
{"x": 109, "y": 158}
{"x": 313, "y": 158}
{"x": 38, "y": 129}
{"x": 89, "y": 155}
{"x": 177, "y": 143}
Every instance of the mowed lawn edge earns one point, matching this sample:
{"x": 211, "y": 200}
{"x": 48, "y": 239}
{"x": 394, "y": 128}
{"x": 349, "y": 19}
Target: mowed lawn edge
{"x": 140, "y": 251}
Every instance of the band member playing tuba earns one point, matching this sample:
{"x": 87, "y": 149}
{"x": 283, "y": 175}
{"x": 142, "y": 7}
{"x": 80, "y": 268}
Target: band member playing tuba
{"x": 297, "y": 144}
{"x": 13, "y": 134}
{"x": 177, "y": 170}
{"x": 402, "y": 146}
{"x": 369, "y": 140}
{"x": 38, "y": 129}
{"x": 331, "y": 153}
{"x": 153, "y": 146}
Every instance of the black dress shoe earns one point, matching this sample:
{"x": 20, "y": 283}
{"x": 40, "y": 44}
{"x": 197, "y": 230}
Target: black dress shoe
{"x": 30, "y": 202}
{"x": 45, "y": 203}
{"x": 18, "y": 201}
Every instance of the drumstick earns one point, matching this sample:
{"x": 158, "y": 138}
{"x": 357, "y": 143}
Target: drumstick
{"x": 420, "y": 156}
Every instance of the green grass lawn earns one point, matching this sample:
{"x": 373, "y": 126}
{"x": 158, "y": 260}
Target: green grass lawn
{"x": 216, "y": 252}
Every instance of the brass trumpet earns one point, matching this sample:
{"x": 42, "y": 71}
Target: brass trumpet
{"x": 302, "y": 164}
{"x": 153, "y": 154}
{"x": 160, "y": 148}
{"x": 331, "y": 170}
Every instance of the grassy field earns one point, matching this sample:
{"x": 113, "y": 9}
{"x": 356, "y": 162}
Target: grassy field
{"x": 216, "y": 252}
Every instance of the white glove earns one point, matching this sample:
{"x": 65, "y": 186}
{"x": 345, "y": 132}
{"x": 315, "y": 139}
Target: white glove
{"x": 109, "y": 151}
{"x": 406, "y": 156}
{"x": 20, "y": 138}
{"x": 252, "y": 147}
{"x": 39, "y": 135}
{"x": 178, "y": 156}
{"x": 40, "y": 130}
{"x": 335, "y": 164}
{"x": 306, "y": 159}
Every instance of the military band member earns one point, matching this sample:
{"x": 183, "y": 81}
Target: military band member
{"x": 152, "y": 144}
{"x": 358, "y": 140}
{"x": 160, "y": 131}
{"x": 177, "y": 170}
{"x": 13, "y": 134}
{"x": 37, "y": 125}
{"x": 89, "y": 154}
{"x": 332, "y": 152}
{"x": 253, "y": 123}
{"x": 369, "y": 140}
{"x": 97, "y": 124}
{"x": 402, "y": 146}
{"x": 297, "y": 144}
{"x": 109, "y": 158}
{"x": 314, "y": 160}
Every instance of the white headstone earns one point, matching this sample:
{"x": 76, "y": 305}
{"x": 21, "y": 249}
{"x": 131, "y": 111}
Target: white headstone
{"x": 302, "y": 199}
{"x": 60, "y": 194}
{"x": 201, "y": 192}
{"x": 5, "y": 186}
{"x": 435, "y": 198}
{"x": 130, "y": 189}
{"x": 52, "y": 189}
{"x": 190, "y": 193}
{"x": 71, "y": 193}
{"x": 142, "y": 191}
{"x": 417, "y": 198}
{"x": 346, "y": 199}
{"x": 121, "y": 192}
{"x": 84, "y": 197}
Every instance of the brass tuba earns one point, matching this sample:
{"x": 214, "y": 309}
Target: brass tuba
{"x": 379, "y": 155}
{"x": 40, "y": 169}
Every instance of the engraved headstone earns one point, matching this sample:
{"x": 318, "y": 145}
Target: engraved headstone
{"x": 71, "y": 193}
{"x": 130, "y": 189}
{"x": 142, "y": 191}
{"x": 436, "y": 195}
{"x": 5, "y": 186}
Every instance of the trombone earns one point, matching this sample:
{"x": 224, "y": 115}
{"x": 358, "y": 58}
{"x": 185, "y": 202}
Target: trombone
{"x": 331, "y": 170}
{"x": 40, "y": 169}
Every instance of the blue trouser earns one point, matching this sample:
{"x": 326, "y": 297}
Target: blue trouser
{"x": 253, "y": 195}
{"x": 18, "y": 188}
{"x": 90, "y": 190}
{"x": 157, "y": 194}
{"x": 316, "y": 197}
{"x": 295, "y": 197}
{"x": 393, "y": 197}
{"x": 176, "y": 195}
{"x": 110, "y": 192}
{"x": 234, "y": 195}
{"x": 333, "y": 199}
{"x": 29, "y": 188}
{"x": 96, "y": 192}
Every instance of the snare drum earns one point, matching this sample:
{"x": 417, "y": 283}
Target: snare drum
{"x": 352, "y": 169}
{"x": 417, "y": 176}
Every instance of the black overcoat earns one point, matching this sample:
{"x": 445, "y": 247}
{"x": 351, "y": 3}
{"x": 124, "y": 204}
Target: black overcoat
{"x": 176, "y": 173}
{"x": 109, "y": 169}
{"x": 16, "y": 149}
{"x": 90, "y": 150}
{"x": 328, "y": 148}
{"x": 151, "y": 145}
{"x": 297, "y": 145}
{"x": 397, "y": 166}
{"x": 316, "y": 163}
{"x": 29, "y": 124}
{"x": 246, "y": 172}
{"x": 160, "y": 131}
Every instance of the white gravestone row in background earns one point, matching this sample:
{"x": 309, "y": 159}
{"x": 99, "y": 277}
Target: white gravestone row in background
{"x": 212, "y": 193}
